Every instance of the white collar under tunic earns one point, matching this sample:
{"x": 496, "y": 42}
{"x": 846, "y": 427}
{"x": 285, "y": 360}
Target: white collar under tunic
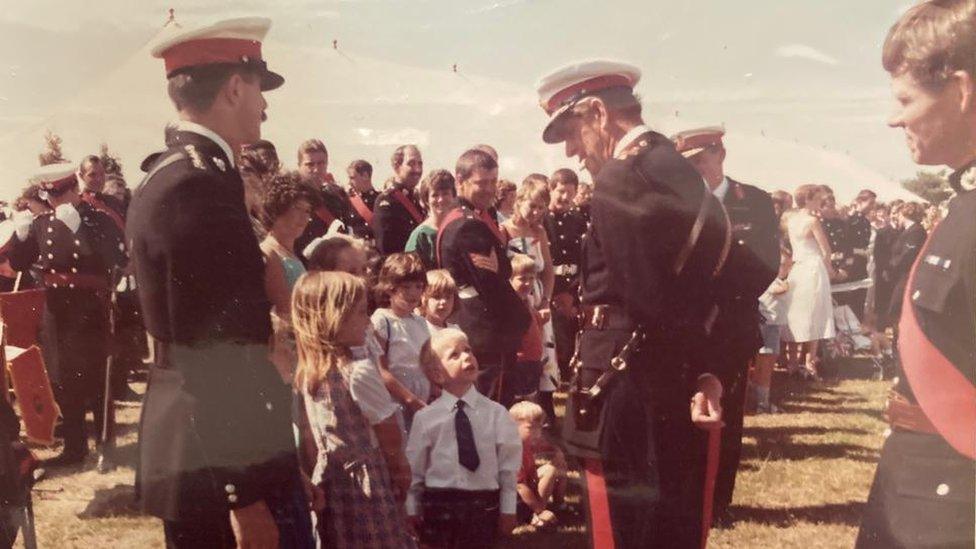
{"x": 722, "y": 189}
{"x": 629, "y": 138}
{"x": 187, "y": 126}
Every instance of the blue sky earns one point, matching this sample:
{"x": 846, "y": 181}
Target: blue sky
{"x": 803, "y": 71}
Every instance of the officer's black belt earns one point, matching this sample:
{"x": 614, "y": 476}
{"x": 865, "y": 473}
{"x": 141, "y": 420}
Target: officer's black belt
{"x": 75, "y": 281}
{"x": 605, "y": 317}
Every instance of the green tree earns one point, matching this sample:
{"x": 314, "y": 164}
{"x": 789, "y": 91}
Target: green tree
{"x": 931, "y": 186}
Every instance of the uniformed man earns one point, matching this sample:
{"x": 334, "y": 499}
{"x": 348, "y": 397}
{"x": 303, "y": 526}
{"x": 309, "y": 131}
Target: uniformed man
{"x": 397, "y": 210}
{"x": 755, "y": 233}
{"x": 644, "y": 373}
{"x": 470, "y": 245}
{"x": 565, "y": 226}
{"x": 334, "y": 210}
{"x": 91, "y": 173}
{"x": 75, "y": 249}
{"x": 361, "y": 192}
{"x": 859, "y": 239}
{"x": 217, "y": 456}
{"x": 838, "y": 234}
{"x": 924, "y": 491}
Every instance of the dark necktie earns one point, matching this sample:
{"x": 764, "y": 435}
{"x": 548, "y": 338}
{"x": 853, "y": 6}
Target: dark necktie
{"x": 467, "y": 452}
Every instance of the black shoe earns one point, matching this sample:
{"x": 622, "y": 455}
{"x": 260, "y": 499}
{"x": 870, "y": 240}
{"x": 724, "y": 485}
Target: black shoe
{"x": 66, "y": 459}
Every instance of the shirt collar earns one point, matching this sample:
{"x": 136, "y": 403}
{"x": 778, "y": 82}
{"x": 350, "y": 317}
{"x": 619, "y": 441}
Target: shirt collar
{"x": 187, "y": 126}
{"x": 470, "y": 398}
{"x": 722, "y": 189}
{"x": 629, "y": 138}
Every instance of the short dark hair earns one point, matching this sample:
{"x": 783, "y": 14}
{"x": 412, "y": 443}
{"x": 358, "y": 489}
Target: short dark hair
{"x": 563, "y": 175}
{"x": 397, "y": 269}
{"x": 195, "y": 88}
{"x": 398, "y": 153}
{"x": 325, "y": 256}
{"x": 310, "y": 146}
{"x": 471, "y": 160}
{"x": 867, "y": 194}
{"x": 89, "y": 161}
{"x": 284, "y": 191}
{"x": 361, "y": 167}
{"x": 913, "y": 211}
{"x": 437, "y": 180}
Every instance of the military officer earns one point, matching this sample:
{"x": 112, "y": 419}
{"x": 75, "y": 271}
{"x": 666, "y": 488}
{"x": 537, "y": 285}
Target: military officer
{"x": 859, "y": 238}
{"x": 565, "y": 226}
{"x": 644, "y": 376}
{"x": 334, "y": 205}
{"x": 91, "y": 172}
{"x": 838, "y": 234}
{"x": 755, "y": 233}
{"x": 75, "y": 248}
{"x": 924, "y": 490}
{"x": 470, "y": 245}
{"x": 397, "y": 211}
{"x": 217, "y": 456}
{"x": 361, "y": 192}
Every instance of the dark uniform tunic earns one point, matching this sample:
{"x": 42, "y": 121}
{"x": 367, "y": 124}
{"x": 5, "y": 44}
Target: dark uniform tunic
{"x": 76, "y": 267}
{"x": 489, "y": 311}
{"x": 215, "y": 431}
{"x": 884, "y": 239}
{"x": 841, "y": 250}
{"x": 923, "y": 492}
{"x": 336, "y": 203}
{"x": 645, "y": 206}
{"x": 392, "y": 221}
{"x": 369, "y": 197}
{"x": 858, "y": 242}
{"x": 904, "y": 251}
{"x": 755, "y": 235}
{"x": 565, "y": 231}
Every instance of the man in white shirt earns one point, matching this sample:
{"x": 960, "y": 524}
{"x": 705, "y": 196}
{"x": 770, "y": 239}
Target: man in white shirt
{"x": 464, "y": 452}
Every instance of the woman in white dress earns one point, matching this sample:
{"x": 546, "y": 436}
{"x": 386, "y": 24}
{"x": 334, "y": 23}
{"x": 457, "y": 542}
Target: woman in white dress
{"x": 809, "y": 310}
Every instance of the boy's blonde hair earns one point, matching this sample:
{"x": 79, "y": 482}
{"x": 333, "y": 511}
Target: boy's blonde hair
{"x": 522, "y": 264}
{"x": 320, "y": 304}
{"x": 440, "y": 283}
{"x": 430, "y": 362}
{"x": 527, "y": 410}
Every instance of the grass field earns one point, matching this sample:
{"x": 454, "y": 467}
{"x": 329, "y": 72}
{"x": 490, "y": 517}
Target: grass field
{"x": 803, "y": 480}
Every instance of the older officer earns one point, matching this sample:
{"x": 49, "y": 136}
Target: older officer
{"x": 755, "y": 233}
{"x": 652, "y": 272}
{"x": 76, "y": 248}
{"x": 923, "y": 492}
{"x": 397, "y": 210}
{"x": 217, "y": 457}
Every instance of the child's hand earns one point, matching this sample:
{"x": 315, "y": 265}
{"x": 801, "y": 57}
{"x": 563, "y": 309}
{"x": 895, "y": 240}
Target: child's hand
{"x": 506, "y": 523}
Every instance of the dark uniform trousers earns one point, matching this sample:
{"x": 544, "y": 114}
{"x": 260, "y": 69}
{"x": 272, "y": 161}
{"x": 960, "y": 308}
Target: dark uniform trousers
{"x": 652, "y": 453}
{"x": 75, "y": 328}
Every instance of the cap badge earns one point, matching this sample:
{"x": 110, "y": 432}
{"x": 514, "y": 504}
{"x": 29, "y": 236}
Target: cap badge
{"x": 220, "y": 164}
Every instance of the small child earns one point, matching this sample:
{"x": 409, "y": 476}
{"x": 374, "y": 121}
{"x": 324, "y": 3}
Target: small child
{"x": 439, "y": 300}
{"x": 344, "y": 406}
{"x": 400, "y": 332}
{"x": 536, "y": 486}
{"x": 464, "y": 453}
{"x": 524, "y": 382}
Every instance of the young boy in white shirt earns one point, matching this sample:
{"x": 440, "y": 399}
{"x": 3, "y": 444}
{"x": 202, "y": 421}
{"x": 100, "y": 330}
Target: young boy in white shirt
{"x": 464, "y": 452}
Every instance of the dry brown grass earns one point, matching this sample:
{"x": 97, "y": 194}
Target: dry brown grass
{"x": 804, "y": 478}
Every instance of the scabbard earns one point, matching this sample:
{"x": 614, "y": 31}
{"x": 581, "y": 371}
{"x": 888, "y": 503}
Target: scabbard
{"x": 711, "y": 473}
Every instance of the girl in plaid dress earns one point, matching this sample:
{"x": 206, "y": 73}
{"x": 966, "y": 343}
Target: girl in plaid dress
{"x": 361, "y": 510}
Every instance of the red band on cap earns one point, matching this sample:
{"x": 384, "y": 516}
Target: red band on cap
{"x": 591, "y": 85}
{"x": 211, "y": 50}
{"x": 700, "y": 141}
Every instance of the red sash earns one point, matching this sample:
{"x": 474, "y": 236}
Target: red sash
{"x": 410, "y": 206}
{"x": 94, "y": 202}
{"x": 451, "y": 217}
{"x": 492, "y": 223}
{"x": 361, "y": 208}
{"x": 944, "y": 394}
{"x": 325, "y": 215}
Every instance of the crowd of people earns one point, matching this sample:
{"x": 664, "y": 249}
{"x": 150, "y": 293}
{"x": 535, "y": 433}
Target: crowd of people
{"x": 377, "y": 364}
